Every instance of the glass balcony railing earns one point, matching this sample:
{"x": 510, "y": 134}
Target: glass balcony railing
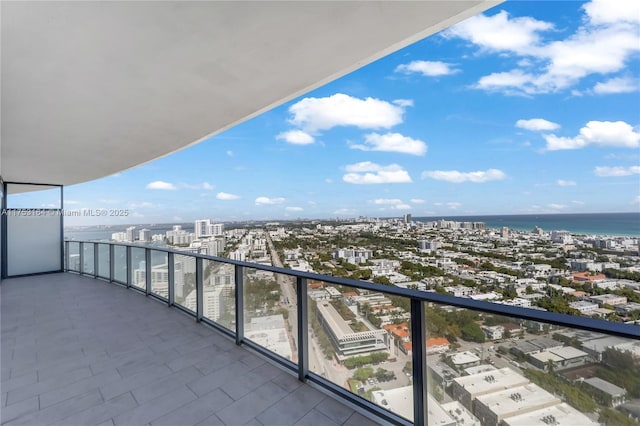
{"x": 406, "y": 356}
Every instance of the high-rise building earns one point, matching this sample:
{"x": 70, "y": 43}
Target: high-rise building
{"x": 202, "y": 228}
{"x": 144, "y": 235}
{"x": 131, "y": 236}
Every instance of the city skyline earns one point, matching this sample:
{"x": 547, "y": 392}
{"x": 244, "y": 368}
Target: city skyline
{"x": 527, "y": 108}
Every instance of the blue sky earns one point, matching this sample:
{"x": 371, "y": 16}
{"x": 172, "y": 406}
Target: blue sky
{"x": 532, "y": 107}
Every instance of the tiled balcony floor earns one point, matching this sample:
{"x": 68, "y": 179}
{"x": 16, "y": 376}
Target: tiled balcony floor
{"x": 79, "y": 351}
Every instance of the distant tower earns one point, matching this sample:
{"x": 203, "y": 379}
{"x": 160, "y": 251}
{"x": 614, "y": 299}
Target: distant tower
{"x": 504, "y": 232}
{"x": 131, "y": 236}
{"x": 202, "y": 228}
{"x": 144, "y": 235}
{"x": 407, "y": 218}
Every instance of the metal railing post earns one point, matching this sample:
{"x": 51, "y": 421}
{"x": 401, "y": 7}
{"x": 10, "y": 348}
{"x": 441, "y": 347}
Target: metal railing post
{"x": 81, "y": 252}
{"x": 171, "y": 270}
{"x": 112, "y": 258}
{"x": 418, "y": 347}
{"x": 129, "y": 267}
{"x": 303, "y": 328}
{"x": 147, "y": 271}
{"x": 66, "y": 256}
{"x": 199, "y": 290}
{"x": 96, "y": 259}
{"x": 239, "y": 276}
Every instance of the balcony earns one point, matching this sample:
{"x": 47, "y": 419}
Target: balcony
{"x": 140, "y": 335}
{"x": 76, "y": 350}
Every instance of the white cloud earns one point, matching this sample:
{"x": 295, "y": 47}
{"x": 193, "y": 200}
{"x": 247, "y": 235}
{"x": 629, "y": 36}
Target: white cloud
{"x": 537, "y": 124}
{"x": 636, "y": 201}
{"x": 459, "y": 177}
{"x": 417, "y": 201}
{"x": 317, "y": 114}
{"x": 159, "y": 184}
{"x": 554, "y": 206}
{"x": 345, "y": 212}
{"x": 296, "y": 137}
{"x": 403, "y": 102}
{"x": 577, "y": 203}
{"x": 612, "y": 11}
{"x": 427, "y": 68}
{"x": 500, "y": 32}
{"x": 328, "y": 180}
{"x": 454, "y": 205}
{"x": 617, "y": 171}
{"x": 371, "y": 173}
{"x": 204, "y": 185}
{"x": 392, "y": 142}
{"x": 600, "y": 133}
{"x": 230, "y": 153}
{"x": 267, "y": 200}
{"x": 141, "y": 205}
{"x": 562, "y": 182}
{"x": 616, "y": 85}
{"x": 294, "y": 209}
{"x": 394, "y": 203}
{"x": 602, "y": 45}
{"x": 71, "y": 202}
{"x": 387, "y": 201}
{"x": 225, "y": 196}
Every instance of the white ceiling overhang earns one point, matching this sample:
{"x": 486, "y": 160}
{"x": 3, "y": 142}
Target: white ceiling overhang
{"x": 93, "y": 88}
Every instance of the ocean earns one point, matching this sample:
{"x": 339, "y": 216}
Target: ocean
{"x": 612, "y": 224}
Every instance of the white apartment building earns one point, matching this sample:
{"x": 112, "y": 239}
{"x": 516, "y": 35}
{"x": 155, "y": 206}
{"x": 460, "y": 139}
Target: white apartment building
{"x": 131, "y": 236}
{"x": 144, "y": 235}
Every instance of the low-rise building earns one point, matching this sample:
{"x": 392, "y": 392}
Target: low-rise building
{"x": 345, "y": 341}
{"x": 493, "y": 408}
{"x": 606, "y": 393}
{"x": 467, "y": 388}
{"x": 608, "y": 299}
{"x": 556, "y": 415}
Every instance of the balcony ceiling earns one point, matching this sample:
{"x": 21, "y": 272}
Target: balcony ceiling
{"x": 93, "y": 88}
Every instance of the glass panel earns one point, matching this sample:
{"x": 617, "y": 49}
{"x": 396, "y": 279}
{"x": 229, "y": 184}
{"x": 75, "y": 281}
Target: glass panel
{"x": 185, "y": 281}
{"x": 33, "y": 242}
{"x": 159, "y": 274}
{"x": 33, "y": 197}
{"x": 139, "y": 278}
{"x": 87, "y": 264}
{"x": 219, "y": 293}
{"x": 360, "y": 340}
{"x": 73, "y": 257}
{"x": 270, "y": 318}
{"x": 103, "y": 260}
{"x": 120, "y": 264}
{"x": 493, "y": 369}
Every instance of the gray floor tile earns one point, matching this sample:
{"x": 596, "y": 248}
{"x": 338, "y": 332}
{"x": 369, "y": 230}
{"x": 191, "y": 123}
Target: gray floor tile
{"x": 358, "y": 419}
{"x": 195, "y": 411}
{"x": 251, "y": 405}
{"x": 155, "y": 408}
{"x": 88, "y": 352}
{"x": 18, "y": 409}
{"x": 60, "y": 411}
{"x": 316, "y": 418}
{"x": 165, "y": 385}
{"x": 101, "y": 413}
{"x": 335, "y": 410}
{"x": 292, "y": 408}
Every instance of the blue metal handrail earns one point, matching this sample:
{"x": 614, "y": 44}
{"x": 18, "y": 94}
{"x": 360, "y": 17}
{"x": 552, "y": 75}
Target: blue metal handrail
{"x": 416, "y": 297}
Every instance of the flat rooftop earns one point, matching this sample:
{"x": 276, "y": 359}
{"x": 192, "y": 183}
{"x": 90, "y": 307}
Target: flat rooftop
{"x": 563, "y": 414}
{"x": 76, "y": 350}
{"x": 491, "y": 381}
{"x": 518, "y": 400}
